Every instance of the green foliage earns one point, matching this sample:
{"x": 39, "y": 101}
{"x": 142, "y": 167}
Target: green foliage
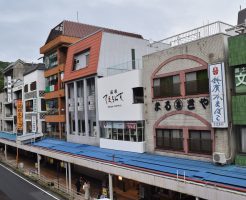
{"x": 2, "y": 66}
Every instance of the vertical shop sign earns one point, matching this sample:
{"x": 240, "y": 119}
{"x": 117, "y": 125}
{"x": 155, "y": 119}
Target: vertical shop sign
{"x": 218, "y": 99}
{"x": 19, "y": 112}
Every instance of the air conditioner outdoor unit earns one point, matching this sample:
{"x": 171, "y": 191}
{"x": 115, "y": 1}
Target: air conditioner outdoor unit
{"x": 219, "y": 158}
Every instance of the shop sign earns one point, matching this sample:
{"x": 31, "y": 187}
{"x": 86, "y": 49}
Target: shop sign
{"x": 9, "y": 89}
{"x": 107, "y": 125}
{"x": 131, "y": 125}
{"x": 240, "y": 79}
{"x": 91, "y": 102}
{"x": 113, "y": 98}
{"x": 218, "y": 95}
{"x": 34, "y": 123}
{"x": 119, "y": 125}
{"x": 178, "y": 104}
{"x": 19, "y": 113}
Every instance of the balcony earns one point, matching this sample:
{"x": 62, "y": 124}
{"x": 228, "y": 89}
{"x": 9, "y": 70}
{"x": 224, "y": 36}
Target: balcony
{"x": 197, "y": 33}
{"x": 55, "y": 94}
{"x": 200, "y": 146}
{"x": 54, "y": 70}
{"x": 55, "y": 118}
{"x": 124, "y": 67}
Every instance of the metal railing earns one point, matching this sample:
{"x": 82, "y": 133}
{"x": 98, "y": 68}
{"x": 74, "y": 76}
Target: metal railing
{"x": 50, "y": 183}
{"x": 124, "y": 67}
{"x": 197, "y": 33}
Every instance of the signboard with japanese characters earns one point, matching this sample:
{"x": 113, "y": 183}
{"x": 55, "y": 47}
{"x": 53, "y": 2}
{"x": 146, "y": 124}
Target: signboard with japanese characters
{"x": 116, "y": 97}
{"x": 19, "y": 113}
{"x": 240, "y": 80}
{"x": 218, "y": 100}
{"x": 9, "y": 89}
{"x": 34, "y": 123}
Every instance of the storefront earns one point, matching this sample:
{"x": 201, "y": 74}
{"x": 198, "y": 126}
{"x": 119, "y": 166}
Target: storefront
{"x": 120, "y": 104}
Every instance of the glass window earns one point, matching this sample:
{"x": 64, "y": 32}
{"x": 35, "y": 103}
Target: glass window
{"x": 51, "y": 60}
{"x": 43, "y": 105}
{"x": 200, "y": 142}
{"x": 81, "y": 60}
{"x": 197, "y": 83}
{"x": 138, "y": 95}
{"x": 33, "y": 86}
{"x": 167, "y": 86}
{"x": 29, "y": 106}
{"x": 26, "y": 88}
{"x": 243, "y": 140}
{"x": 169, "y": 139}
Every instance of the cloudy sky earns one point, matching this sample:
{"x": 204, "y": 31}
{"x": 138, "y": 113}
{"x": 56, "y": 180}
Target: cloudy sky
{"x": 25, "y": 24}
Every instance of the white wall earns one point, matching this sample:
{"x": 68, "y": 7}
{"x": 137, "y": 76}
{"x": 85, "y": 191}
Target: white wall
{"x": 37, "y": 76}
{"x": 115, "y": 51}
{"x": 138, "y": 147}
{"x": 121, "y": 110}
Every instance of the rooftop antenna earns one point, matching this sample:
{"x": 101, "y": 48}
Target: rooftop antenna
{"x": 240, "y": 7}
{"x": 77, "y": 16}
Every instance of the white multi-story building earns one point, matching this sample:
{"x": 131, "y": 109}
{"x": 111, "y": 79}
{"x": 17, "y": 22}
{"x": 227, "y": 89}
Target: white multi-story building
{"x": 33, "y": 100}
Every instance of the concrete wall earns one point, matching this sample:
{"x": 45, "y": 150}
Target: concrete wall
{"x": 115, "y": 52}
{"x": 174, "y": 60}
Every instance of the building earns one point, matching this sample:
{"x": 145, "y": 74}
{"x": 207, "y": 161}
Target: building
{"x": 121, "y": 112}
{"x": 1, "y": 110}
{"x": 34, "y": 106}
{"x": 237, "y": 63}
{"x": 185, "y": 117}
{"x": 103, "y": 53}
{"x": 13, "y": 86}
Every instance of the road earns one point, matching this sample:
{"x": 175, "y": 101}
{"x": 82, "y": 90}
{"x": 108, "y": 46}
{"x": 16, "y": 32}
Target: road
{"x": 14, "y": 187}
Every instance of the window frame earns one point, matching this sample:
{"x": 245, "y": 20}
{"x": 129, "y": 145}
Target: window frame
{"x": 179, "y": 147}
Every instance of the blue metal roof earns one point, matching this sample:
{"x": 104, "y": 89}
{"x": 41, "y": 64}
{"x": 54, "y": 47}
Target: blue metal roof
{"x": 8, "y": 136}
{"x": 230, "y": 175}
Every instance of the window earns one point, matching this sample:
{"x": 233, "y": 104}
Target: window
{"x": 81, "y": 60}
{"x": 200, "y": 142}
{"x": 28, "y": 126}
{"x": 167, "y": 87}
{"x": 169, "y": 139}
{"x": 33, "y": 86}
{"x": 51, "y": 60}
{"x": 133, "y": 59}
{"x": 29, "y": 106}
{"x": 26, "y": 88}
{"x": 52, "y": 107}
{"x": 138, "y": 95}
{"x": 243, "y": 139}
{"x": 43, "y": 105}
{"x": 197, "y": 82}
{"x": 51, "y": 83}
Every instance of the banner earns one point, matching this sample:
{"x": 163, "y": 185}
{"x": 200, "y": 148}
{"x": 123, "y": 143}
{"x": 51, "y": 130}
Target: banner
{"x": 219, "y": 118}
{"x": 19, "y": 113}
{"x": 34, "y": 123}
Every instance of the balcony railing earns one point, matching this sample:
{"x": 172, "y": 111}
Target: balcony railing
{"x": 51, "y": 88}
{"x": 52, "y": 111}
{"x": 200, "y": 146}
{"x": 197, "y": 33}
{"x": 174, "y": 144}
{"x": 197, "y": 87}
{"x": 124, "y": 67}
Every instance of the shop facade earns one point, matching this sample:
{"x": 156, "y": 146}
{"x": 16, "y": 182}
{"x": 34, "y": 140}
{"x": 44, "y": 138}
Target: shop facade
{"x": 186, "y": 102}
{"x": 237, "y": 62}
{"x": 120, "y": 104}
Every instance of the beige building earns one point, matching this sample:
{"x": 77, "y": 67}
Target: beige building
{"x": 182, "y": 114}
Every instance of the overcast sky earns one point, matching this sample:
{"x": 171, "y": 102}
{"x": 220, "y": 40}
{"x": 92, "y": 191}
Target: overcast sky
{"x": 25, "y": 24}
